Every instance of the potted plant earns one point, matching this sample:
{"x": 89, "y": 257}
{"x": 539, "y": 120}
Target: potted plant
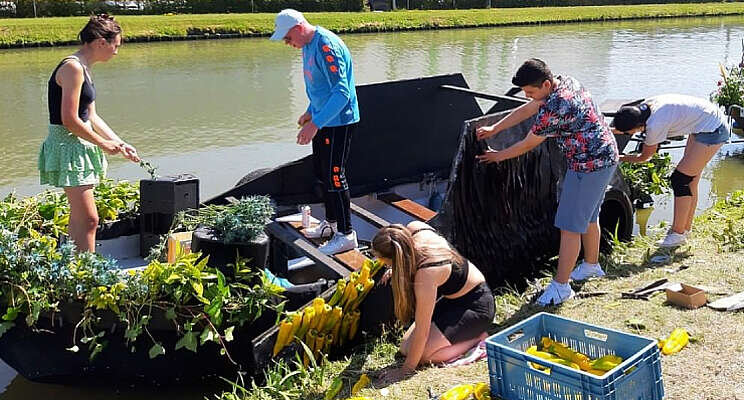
{"x": 730, "y": 95}
{"x": 236, "y": 229}
{"x": 68, "y": 315}
{"x": 118, "y": 207}
{"x": 48, "y": 213}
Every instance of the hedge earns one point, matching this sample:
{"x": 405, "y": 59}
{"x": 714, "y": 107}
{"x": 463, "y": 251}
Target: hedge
{"x": 66, "y": 8}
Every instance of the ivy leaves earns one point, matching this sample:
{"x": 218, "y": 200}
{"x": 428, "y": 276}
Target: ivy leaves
{"x": 648, "y": 178}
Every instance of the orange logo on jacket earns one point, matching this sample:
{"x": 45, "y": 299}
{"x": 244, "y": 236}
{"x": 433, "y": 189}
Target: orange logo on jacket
{"x": 329, "y": 58}
{"x": 326, "y": 49}
{"x": 333, "y": 68}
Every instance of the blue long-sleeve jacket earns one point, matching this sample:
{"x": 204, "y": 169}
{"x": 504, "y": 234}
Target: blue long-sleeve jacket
{"x": 329, "y": 80}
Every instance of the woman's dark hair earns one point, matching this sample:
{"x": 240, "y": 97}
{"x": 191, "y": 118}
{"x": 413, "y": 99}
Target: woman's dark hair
{"x": 631, "y": 117}
{"x": 532, "y": 73}
{"x": 99, "y": 26}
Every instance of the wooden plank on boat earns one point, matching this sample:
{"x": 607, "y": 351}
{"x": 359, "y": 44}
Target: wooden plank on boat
{"x": 408, "y": 206}
{"x": 290, "y": 236}
{"x": 354, "y": 259}
{"x": 298, "y": 226}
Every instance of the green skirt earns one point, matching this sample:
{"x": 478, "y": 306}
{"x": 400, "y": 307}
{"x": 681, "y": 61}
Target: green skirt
{"x": 65, "y": 160}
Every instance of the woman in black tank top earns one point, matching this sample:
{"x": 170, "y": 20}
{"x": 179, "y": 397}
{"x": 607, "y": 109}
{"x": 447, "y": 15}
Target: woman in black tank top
{"x": 445, "y": 295}
{"x": 72, "y": 156}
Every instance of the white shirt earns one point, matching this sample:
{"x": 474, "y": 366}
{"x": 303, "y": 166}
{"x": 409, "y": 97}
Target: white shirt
{"x": 674, "y": 115}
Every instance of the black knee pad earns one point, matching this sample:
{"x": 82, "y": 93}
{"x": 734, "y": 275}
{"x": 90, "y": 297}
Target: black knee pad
{"x": 681, "y": 184}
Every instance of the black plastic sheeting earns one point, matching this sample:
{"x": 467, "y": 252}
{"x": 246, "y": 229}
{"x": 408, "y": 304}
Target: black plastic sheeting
{"x": 500, "y": 216}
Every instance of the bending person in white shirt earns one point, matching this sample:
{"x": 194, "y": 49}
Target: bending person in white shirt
{"x": 676, "y": 115}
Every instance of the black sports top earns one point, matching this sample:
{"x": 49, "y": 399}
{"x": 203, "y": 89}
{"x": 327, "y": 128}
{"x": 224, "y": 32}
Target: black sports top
{"x": 54, "y": 96}
{"x": 458, "y": 274}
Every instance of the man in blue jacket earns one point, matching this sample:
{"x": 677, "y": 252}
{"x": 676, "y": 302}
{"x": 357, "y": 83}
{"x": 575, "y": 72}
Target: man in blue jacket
{"x": 329, "y": 122}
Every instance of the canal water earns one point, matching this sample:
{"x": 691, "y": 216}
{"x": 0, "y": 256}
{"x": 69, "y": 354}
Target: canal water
{"x": 220, "y": 109}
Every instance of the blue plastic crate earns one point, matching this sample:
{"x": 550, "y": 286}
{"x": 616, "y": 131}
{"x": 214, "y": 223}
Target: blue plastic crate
{"x": 513, "y": 378}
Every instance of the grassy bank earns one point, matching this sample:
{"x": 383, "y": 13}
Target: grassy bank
{"x": 60, "y": 31}
{"x": 706, "y": 369}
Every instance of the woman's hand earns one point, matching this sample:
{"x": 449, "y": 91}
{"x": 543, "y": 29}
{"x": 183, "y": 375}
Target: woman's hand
{"x": 386, "y": 276}
{"x": 396, "y": 375}
{"x": 111, "y": 146}
{"x": 130, "y": 153}
{"x": 485, "y": 132}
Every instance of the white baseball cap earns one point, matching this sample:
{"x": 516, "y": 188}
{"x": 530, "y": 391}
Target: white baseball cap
{"x": 286, "y": 20}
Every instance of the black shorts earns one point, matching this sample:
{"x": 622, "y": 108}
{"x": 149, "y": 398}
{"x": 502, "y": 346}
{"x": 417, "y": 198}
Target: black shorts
{"x": 467, "y": 316}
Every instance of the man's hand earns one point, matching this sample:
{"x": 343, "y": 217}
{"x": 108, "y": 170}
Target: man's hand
{"x": 490, "y": 156}
{"x": 304, "y": 118}
{"x": 307, "y": 133}
{"x": 485, "y": 132}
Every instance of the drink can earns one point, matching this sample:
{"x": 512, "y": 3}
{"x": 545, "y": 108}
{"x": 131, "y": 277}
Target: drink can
{"x": 305, "y": 216}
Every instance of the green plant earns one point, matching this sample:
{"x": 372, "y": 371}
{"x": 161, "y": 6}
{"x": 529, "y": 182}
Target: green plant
{"x": 153, "y": 171}
{"x": 240, "y": 222}
{"x": 729, "y": 213}
{"x": 730, "y": 89}
{"x": 282, "y": 381}
{"x": 243, "y": 221}
{"x": 37, "y": 277}
{"x": 648, "y": 178}
{"x": 48, "y": 213}
{"x": 116, "y": 198}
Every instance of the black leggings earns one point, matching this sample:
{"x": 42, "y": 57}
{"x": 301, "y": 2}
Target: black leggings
{"x": 467, "y": 316}
{"x": 330, "y": 155}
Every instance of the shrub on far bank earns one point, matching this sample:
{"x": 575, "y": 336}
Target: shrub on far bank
{"x": 66, "y": 8}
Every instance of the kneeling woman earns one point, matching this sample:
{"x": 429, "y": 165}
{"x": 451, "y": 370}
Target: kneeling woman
{"x": 446, "y": 295}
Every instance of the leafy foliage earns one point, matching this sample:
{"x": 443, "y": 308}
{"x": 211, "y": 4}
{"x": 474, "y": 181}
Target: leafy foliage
{"x": 37, "y": 278}
{"x": 730, "y": 89}
{"x": 282, "y": 381}
{"x": 152, "y": 170}
{"x": 648, "y": 178}
{"x": 49, "y": 212}
{"x": 243, "y": 221}
{"x": 730, "y": 212}
{"x": 240, "y": 222}
{"x": 115, "y": 199}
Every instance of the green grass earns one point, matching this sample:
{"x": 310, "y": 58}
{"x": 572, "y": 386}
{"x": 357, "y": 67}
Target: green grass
{"x": 708, "y": 368}
{"x": 59, "y": 31}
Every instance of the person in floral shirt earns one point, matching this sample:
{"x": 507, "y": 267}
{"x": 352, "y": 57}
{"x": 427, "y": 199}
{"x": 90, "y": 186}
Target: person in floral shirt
{"x": 565, "y": 111}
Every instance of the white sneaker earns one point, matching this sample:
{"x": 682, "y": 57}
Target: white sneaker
{"x": 673, "y": 239}
{"x": 556, "y": 293}
{"x": 339, "y": 243}
{"x": 323, "y": 229}
{"x": 586, "y": 271}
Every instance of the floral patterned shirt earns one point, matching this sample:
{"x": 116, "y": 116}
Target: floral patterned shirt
{"x": 570, "y": 114}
